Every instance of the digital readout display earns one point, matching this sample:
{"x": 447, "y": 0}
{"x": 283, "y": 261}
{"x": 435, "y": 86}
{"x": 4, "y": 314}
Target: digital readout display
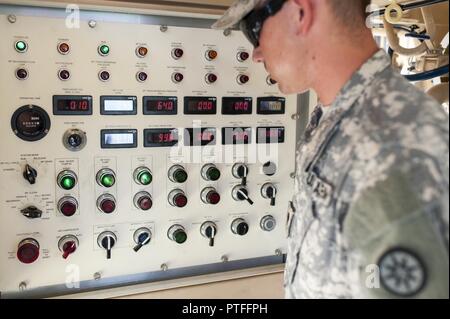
{"x": 200, "y": 105}
{"x": 199, "y": 136}
{"x": 270, "y": 135}
{"x": 236, "y": 135}
{"x": 160, "y": 105}
{"x": 165, "y": 137}
{"x": 72, "y": 105}
{"x": 236, "y": 105}
{"x": 271, "y": 105}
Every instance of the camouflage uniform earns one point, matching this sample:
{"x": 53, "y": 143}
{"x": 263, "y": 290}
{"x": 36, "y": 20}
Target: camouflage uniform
{"x": 372, "y": 189}
{"x": 369, "y": 218}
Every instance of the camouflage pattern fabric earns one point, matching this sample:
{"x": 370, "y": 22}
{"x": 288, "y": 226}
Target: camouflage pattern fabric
{"x": 369, "y": 218}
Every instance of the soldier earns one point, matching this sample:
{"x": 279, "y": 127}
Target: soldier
{"x": 369, "y": 218}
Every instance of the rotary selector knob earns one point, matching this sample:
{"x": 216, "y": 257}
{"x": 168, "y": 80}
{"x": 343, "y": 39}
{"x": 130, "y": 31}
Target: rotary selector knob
{"x": 177, "y": 233}
{"x": 74, "y": 139}
{"x": 177, "y": 198}
{"x": 31, "y": 212}
{"x": 107, "y": 240}
{"x": 268, "y": 223}
{"x": 210, "y": 172}
{"x": 240, "y": 193}
{"x": 143, "y": 201}
{"x": 269, "y": 191}
{"x": 178, "y": 174}
{"x": 209, "y": 195}
{"x": 141, "y": 237}
{"x": 240, "y": 171}
{"x": 239, "y": 227}
{"x": 209, "y": 230}
{"x": 30, "y": 174}
{"x": 68, "y": 245}
{"x": 28, "y": 251}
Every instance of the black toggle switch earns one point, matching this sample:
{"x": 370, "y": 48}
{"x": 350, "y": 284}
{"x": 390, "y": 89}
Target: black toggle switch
{"x": 241, "y": 171}
{"x": 209, "y": 230}
{"x": 107, "y": 240}
{"x": 30, "y": 174}
{"x": 31, "y": 212}
{"x": 269, "y": 191}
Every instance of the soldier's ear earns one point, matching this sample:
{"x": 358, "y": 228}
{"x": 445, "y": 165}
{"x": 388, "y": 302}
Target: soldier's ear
{"x": 304, "y": 15}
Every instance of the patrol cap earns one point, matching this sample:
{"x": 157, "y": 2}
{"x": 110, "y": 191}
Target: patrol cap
{"x": 236, "y": 12}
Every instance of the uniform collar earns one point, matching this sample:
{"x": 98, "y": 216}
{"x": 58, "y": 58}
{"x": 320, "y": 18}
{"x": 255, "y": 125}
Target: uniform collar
{"x": 342, "y": 105}
{"x": 360, "y": 80}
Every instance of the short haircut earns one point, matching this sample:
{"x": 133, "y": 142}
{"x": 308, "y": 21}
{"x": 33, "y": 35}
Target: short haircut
{"x": 351, "y": 13}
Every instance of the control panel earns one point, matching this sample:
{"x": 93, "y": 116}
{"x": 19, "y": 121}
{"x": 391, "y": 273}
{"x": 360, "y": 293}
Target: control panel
{"x": 136, "y": 152}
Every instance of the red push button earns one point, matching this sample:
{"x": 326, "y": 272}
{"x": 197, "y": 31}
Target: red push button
{"x": 28, "y": 251}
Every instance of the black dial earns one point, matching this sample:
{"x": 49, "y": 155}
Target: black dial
{"x": 30, "y": 123}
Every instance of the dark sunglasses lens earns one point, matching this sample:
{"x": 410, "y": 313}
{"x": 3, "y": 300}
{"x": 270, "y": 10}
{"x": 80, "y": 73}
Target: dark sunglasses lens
{"x": 251, "y": 37}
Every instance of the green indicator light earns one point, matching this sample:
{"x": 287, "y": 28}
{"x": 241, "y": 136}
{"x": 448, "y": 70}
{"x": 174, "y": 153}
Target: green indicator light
{"x": 21, "y": 46}
{"x": 67, "y": 182}
{"x": 180, "y": 176}
{"x": 213, "y": 174}
{"x": 104, "y": 49}
{"x": 180, "y": 237}
{"x": 108, "y": 180}
{"x": 145, "y": 178}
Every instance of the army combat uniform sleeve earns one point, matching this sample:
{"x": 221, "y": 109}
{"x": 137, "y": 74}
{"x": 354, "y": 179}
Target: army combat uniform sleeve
{"x": 397, "y": 227}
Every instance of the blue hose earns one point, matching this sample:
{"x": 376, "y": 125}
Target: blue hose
{"x": 428, "y": 75}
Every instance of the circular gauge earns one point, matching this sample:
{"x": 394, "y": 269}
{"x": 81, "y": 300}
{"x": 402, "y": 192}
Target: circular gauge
{"x": 30, "y": 123}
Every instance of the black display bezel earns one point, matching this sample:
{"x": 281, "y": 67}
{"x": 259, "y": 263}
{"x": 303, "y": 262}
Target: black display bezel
{"x": 245, "y": 129}
{"x": 145, "y": 99}
{"x": 189, "y": 136}
{"x": 187, "y": 99}
{"x": 226, "y": 101}
{"x": 42, "y": 113}
{"x": 56, "y": 98}
{"x": 160, "y": 130}
{"x": 271, "y": 99}
{"x": 118, "y": 131}
{"x": 266, "y": 140}
{"x": 103, "y": 98}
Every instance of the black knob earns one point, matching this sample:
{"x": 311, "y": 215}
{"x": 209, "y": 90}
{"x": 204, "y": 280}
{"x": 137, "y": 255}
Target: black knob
{"x": 240, "y": 193}
{"x": 30, "y": 174}
{"x": 209, "y": 230}
{"x": 241, "y": 171}
{"x": 142, "y": 237}
{"x": 239, "y": 227}
{"x": 107, "y": 240}
{"x": 31, "y": 212}
{"x": 269, "y": 191}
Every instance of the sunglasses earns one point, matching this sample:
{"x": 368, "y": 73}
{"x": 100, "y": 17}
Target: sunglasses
{"x": 251, "y": 25}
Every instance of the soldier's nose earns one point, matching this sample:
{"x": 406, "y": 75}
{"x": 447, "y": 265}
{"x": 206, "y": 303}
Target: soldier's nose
{"x": 257, "y": 55}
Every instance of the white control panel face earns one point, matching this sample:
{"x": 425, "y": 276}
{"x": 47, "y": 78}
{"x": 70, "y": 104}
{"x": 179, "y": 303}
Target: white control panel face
{"x": 131, "y": 149}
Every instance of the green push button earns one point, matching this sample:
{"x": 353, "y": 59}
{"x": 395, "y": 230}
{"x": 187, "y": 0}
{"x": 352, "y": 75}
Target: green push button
{"x": 145, "y": 178}
{"x": 108, "y": 180}
{"x": 180, "y": 236}
{"x": 68, "y": 182}
{"x": 213, "y": 174}
{"x": 104, "y": 49}
{"x": 21, "y": 46}
{"x": 180, "y": 176}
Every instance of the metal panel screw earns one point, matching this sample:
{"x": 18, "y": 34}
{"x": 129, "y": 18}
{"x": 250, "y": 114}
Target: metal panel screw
{"x": 164, "y": 267}
{"x": 295, "y": 116}
{"x": 12, "y": 18}
{"x": 163, "y": 28}
{"x": 97, "y": 276}
{"x": 224, "y": 259}
{"x": 22, "y": 286}
{"x": 278, "y": 252}
{"x": 92, "y": 23}
{"x": 226, "y": 32}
